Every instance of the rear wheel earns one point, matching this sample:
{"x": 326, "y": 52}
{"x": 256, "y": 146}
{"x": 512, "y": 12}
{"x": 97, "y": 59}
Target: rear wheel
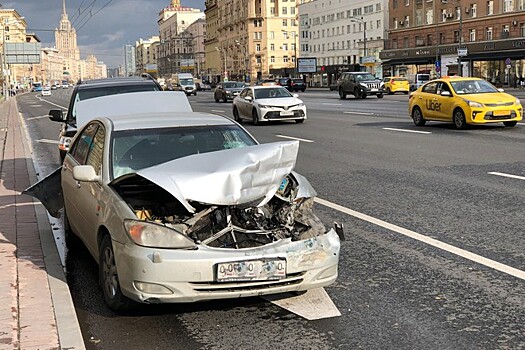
{"x": 388, "y": 91}
{"x": 236, "y": 115}
{"x": 72, "y": 241}
{"x": 510, "y": 124}
{"x": 255, "y": 117}
{"x": 459, "y": 119}
{"x": 342, "y": 94}
{"x": 108, "y": 278}
{"x": 417, "y": 117}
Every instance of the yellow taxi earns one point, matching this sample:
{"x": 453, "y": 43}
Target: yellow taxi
{"x": 391, "y": 85}
{"x": 463, "y": 101}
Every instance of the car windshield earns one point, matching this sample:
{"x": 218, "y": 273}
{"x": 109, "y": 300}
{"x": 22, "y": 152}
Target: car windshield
{"x": 463, "y": 87}
{"x": 233, "y": 85}
{"x": 186, "y": 81}
{"x": 138, "y": 149}
{"x": 272, "y": 93}
{"x": 364, "y": 77}
{"x": 400, "y": 79}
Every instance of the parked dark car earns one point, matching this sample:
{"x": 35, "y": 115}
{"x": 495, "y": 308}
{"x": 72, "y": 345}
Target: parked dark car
{"x": 227, "y": 90}
{"x": 298, "y": 84}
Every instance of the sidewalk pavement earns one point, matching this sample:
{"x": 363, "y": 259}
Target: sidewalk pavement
{"x": 36, "y": 309}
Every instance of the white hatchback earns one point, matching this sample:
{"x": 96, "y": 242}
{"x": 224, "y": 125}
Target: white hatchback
{"x": 46, "y": 91}
{"x": 268, "y": 103}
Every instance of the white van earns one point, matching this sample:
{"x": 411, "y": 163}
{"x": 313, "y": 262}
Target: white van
{"x": 416, "y": 80}
{"x": 185, "y": 82}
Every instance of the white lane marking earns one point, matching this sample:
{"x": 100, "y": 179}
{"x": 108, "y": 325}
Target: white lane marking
{"x": 48, "y": 141}
{"x": 405, "y": 130}
{"x": 293, "y": 138}
{"x": 430, "y": 241}
{"x": 312, "y": 305}
{"x": 521, "y": 123}
{"x": 39, "y": 117}
{"x": 34, "y": 105}
{"x": 506, "y": 175}
{"x": 51, "y": 103}
{"x": 362, "y": 113}
{"x": 332, "y": 104}
{"x": 217, "y": 110}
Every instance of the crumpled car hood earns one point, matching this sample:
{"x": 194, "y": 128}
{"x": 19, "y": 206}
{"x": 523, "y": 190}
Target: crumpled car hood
{"x": 229, "y": 177}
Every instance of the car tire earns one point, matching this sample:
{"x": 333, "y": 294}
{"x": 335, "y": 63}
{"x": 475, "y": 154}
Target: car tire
{"x": 195, "y": 94}
{"x": 380, "y": 96}
{"x": 458, "y": 117}
{"x": 406, "y": 92}
{"x": 224, "y": 99}
{"x": 303, "y": 90}
{"x": 108, "y": 278}
{"x": 255, "y": 117}
{"x": 357, "y": 93}
{"x": 299, "y": 121}
{"x": 510, "y": 124}
{"x": 342, "y": 94}
{"x": 388, "y": 91}
{"x": 236, "y": 115}
{"x": 216, "y": 99}
{"x": 417, "y": 117}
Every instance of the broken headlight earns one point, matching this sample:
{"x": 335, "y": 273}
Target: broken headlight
{"x": 149, "y": 234}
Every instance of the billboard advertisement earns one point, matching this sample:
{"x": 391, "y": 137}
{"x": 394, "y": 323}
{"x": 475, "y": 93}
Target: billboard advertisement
{"x": 307, "y": 65}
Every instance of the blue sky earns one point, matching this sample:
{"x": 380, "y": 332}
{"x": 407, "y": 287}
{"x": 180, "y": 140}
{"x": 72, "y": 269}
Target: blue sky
{"x": 104, "y": 34}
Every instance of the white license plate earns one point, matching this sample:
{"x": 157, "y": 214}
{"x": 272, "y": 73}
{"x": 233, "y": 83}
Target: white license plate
{"x": 252, "y": 270}
{"x": 374, "y": 89}
{"x": 284, "y": 114}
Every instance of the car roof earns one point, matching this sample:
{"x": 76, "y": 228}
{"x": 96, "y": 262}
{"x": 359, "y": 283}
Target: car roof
{"x": 134, "y": 80}
{"x": 165, "y": 120}
{"x": 132, "y": 102}
{"x": 259, "y": 87}
{"x": 454, "y": 77}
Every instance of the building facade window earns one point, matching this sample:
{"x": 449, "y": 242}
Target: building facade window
{"x": 472, "y": 34}
{"x": 490, "y": 7}
{"x": 488, "y": 33}
{"x": 508, "y": 5}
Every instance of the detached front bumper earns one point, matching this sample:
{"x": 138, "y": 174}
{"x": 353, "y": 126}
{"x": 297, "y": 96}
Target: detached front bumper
{"x": 189, "y": 276}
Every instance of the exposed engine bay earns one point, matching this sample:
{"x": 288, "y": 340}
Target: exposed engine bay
{"x": 240, "y": 226}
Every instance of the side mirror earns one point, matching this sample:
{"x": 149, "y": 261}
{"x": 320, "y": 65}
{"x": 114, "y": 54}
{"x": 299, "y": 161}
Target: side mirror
{"x": 85, "y": 173}
{"x": 248, "y": 98}
{"x": 295, "y": 95}
{"x": 446, "y": 93}
{"x": 56, "y": 115}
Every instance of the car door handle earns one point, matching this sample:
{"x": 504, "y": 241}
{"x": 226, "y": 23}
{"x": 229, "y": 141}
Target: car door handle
{"x": 78, "y": 184}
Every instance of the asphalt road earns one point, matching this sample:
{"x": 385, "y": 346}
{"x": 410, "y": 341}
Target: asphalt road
{"x": 396, "y": 290}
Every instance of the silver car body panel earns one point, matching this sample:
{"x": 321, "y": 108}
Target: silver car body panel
{"x": 131, "y": 103}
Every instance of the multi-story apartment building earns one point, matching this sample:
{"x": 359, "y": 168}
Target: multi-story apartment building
{"x": 129, "y": 60}
{"x": 13, "y": 28}
{"x": 146, "y": 55}
{"x": 66, "y": 44}
{"x": 342, "y": 35}
{"x": 253, "y": 39}
{"x": 197, "y": 31}
{"x": 175, "y": 48}
{"x": 482, "y": 38}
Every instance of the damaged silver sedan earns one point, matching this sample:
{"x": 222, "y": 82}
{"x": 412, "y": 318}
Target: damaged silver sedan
{"x": 182, "y": 207}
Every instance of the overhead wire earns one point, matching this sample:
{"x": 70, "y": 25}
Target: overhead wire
{"x": 94, "y": 14}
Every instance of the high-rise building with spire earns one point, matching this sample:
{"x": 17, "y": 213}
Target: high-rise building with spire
{"x": 66, "y": 44}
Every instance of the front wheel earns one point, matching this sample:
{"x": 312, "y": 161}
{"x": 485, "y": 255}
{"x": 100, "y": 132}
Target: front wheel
{"x": 224, "y": 99}
{"x": 417, "y": 117}
{"x": 388, "y": 91}
{"x": 108, "y": 277}
{"x": 255, "y": 117}
{"x": 342, "y": 94}
{"x": 380, "y": 96}
{"x": 510, "y": 124}
{"x": 459, "y": 119}
{"x": 236, "y": 115}
{"x": 299, "y": 121}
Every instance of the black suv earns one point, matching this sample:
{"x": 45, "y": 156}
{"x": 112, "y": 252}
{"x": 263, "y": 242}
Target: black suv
{"x": 85, "y": 90}
{"x": 359, "y": 84}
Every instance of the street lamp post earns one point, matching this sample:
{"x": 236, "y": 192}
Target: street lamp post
{"x": 221, "y": 53}
{"x": 460, "y": 30}
{"x": 294, "y": 48}
{"x": 361, "y": 20}
{"x": 438, "y": 74}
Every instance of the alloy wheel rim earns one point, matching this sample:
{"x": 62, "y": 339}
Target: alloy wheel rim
{"x": 110, "y": 274}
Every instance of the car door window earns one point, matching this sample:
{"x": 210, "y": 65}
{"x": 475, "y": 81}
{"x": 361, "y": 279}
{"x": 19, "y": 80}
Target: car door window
{"x": 83, "y": 143}
{"x": 94, "y": 157}
{"x": 430, "y": 88}
{"x": 442, "y": 86}
{"x": 244, "y": 92}
{"x": 249, "y": 93}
